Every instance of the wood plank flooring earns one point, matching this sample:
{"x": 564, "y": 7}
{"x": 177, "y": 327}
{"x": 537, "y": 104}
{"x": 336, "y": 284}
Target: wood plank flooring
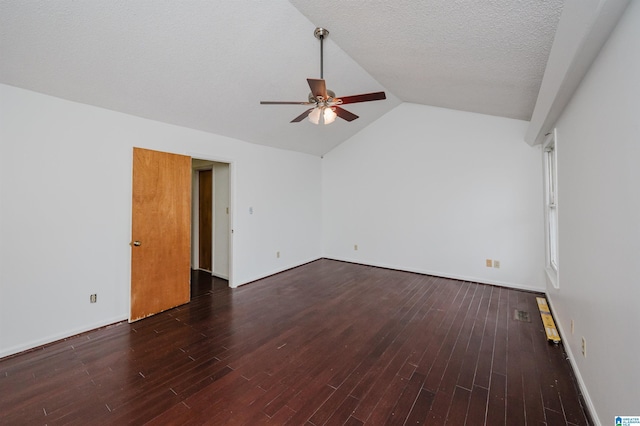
{"x": 326, "y": 343}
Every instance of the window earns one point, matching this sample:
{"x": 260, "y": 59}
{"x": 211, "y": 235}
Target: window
{"x": 551, "y": 206}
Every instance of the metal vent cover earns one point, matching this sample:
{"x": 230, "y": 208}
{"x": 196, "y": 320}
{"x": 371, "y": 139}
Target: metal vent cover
{"x": 521, "y": 316}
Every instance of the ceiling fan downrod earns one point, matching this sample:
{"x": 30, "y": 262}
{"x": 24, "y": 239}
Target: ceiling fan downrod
{"x": 320, "y": 34}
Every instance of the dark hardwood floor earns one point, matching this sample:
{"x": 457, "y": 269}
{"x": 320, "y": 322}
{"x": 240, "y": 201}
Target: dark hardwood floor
{"x": 326, "y": 343}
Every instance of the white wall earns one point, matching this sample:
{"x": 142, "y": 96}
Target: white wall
{"x": 438, "y": 191}
{"x": 65, "y": 217}
{"x": 598, "y": 150}
{"x": 221, "y": 211}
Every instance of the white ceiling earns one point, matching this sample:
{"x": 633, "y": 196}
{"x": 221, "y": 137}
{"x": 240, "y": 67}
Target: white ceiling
{"x": 207, "y": 64}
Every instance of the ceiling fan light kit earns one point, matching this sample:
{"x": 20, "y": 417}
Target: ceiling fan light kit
{"x": 326, "y": 115}
{"x": 326, "y": 106}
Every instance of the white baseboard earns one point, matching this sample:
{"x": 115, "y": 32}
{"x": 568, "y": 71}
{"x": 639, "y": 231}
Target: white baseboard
{"x": 443, "y": 274}
{"x": 60, "y": 336}
{"x": 224, "y": 277}
{"x": 276, "y": 271}
{"x": 576, "y": 370}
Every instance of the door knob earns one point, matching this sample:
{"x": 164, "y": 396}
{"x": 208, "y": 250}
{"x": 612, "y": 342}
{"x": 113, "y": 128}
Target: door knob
{"x": 136, "y": 243}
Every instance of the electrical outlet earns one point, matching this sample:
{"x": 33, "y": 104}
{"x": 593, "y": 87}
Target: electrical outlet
{"x": 584, "y": 347}
{"x": 571, "y": 326}
{"x": 496, "y": 264}
{"x": 278, "y": 254}
{"x": 93, "y": 298}
{"x": 355, "y": 247}
{"x": 489, "y": 263}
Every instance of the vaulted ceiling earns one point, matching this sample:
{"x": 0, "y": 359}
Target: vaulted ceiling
{"x": 207, "y": 64}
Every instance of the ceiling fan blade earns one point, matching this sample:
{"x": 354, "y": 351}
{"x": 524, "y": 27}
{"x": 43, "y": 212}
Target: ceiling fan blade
{"x": 284, "y": 103}
{"x": 318, "y": 87}
{"x": 344, "y": 114}
{"x": 366, "y": 97}
{"x": 302, "y": 116}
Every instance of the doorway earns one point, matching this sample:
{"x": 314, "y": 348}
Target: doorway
{"x": 163, "y": 199}
{"x": 205, "y": 220}
{"x": 211, "y": 228}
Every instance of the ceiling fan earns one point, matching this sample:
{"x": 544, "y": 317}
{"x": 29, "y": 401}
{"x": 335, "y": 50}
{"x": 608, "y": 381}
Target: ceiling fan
{"x": 326, "y": 106}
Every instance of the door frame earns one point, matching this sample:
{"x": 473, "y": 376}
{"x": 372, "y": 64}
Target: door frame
{"x": 231, "y": 163}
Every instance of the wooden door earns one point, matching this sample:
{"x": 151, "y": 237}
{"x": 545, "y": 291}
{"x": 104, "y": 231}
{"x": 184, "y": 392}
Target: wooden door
{"x": 161, "y": 234}
{"x": 205, "y": 229}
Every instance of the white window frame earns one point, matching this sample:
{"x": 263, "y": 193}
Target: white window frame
{"x": 549, "y": 149}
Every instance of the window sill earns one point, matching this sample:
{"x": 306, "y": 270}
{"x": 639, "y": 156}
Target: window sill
{"x": 552, "y": 277}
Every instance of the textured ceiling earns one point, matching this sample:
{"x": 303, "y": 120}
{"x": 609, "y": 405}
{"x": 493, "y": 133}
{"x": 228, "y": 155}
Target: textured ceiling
{"x": 480, "y": 56}
{"x": 206, "y": 65}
